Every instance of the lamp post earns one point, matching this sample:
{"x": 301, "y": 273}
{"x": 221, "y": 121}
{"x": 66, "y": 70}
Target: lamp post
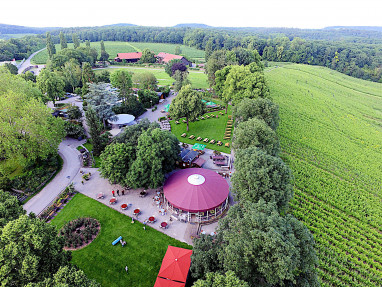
{"x": 151, "y": 101}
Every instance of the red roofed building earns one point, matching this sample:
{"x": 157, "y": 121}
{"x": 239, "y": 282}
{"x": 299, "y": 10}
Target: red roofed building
{"x": 128, "y": 57}
{"x": 165, "y": 58}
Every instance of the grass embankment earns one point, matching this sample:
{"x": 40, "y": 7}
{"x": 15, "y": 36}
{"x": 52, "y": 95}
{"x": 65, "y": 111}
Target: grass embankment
{"x": 89, "y": 147}
{"x": 113, "y": 48}
{"x": 331, "y": 135}
{"x": 100, "y": 260}
{"x": 212, "y": 128}
{"x": 198, "y": 79}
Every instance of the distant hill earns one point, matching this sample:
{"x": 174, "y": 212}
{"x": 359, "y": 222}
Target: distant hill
{"x": 367, "y": 28}
{"x": 192, "y": 25}
{"x": 14, "y": 29}
{"x": 119, "y": 25}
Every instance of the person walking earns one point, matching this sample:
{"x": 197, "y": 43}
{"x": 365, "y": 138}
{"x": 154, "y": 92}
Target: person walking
{"x": 127, "y": 269}
{"x": 113, "y": 192}
{"x": 118, "y": 192}
{"x": 123, "y": 192}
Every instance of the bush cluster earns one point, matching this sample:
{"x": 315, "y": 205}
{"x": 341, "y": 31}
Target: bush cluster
{"x": 79, "y": 232}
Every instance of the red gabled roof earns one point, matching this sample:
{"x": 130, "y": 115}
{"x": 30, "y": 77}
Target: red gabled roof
{"x": 168, "y": 57}
{"x": 176, "y": 264}
{"x": 129, "y": 56}
{"x": 160, "y": 282}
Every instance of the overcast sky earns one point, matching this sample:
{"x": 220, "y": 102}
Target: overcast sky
{"x": 228, "y": 13}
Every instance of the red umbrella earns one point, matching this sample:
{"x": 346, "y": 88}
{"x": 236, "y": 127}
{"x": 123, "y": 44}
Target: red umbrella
{"x": 161, "y": 282}
{"x": 176, "y": 264}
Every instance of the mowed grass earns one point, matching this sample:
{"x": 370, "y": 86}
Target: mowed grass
{"x": 143, "y": 252}
{"x": 331, "y": 137}
{"x": 97, "y": 159}
{"x": 212, "y": 128}
{"x": 198, "y": 79}
{"x": 113, "y": 48}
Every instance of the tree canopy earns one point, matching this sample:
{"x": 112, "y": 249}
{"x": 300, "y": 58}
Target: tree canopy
{"x": 168, "y": 66}
{"x": 260, "y": 175}
{"x": 148, "y": 56}
{"x": 229, "y": 279}
{"x": 257, "y": 133}
{"x": 51, "y": 83}
{"x": 188, "y": 103}
{"x": 63, "y": 42}
{"x": 263, "y": 109}
{"x": 99, "y": 139}
{"x": 10, "y": 208}
{"x": 146, "y": 80}
{"x": 121, "y": 79}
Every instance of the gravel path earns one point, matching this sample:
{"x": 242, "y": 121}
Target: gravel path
{"x": 27, "y": 62}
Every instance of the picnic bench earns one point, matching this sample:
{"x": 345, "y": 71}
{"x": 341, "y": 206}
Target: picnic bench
{"x": 177, "y": 122}
{"x": 212, "y": 142}
{"x": 206, "y": 140}
{"x": 185, "y": 121}
{"x": 226, "y": 145}
{"x": 191, "y": 137}
{"x": 219, "y": 143}
{"x": 183, "y": 135}
{"x": 198, "y": 138}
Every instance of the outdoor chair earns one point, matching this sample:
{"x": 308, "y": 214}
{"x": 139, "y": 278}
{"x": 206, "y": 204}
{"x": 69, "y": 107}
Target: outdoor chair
{"x": 212, "y": 142}
{"x": 219, "y": 143}
{"x": 183, "y": 135}
{"x": 198, "y": 138}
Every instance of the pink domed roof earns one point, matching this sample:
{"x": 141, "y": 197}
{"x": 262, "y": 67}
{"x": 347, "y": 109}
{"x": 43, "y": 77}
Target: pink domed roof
{"x": 196, "y": 189}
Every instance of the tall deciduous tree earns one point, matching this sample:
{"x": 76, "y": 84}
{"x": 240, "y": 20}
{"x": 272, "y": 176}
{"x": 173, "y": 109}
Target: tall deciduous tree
{"x": 178, "y": 50}
{"x": 10, "y": 208}
{"x": 51, "y": 83}
{"x": 148, "y": 56}
{"x": 99, "y": 139}
{"x": 88, "y": 76}
{"x": 50, "y": 46}
{"x": 146, "y": 80}
{"x": 30, "y": 251}
{"x": 181, "y": 79}
{"x": 188, "y": 103}
{"x": 229, "y": 279}
{"x": 158, "y": 151}
{"x": 168, "y": 66}
{"x": 259, "y": 175}
{"x": 104, "y": 55}
{"x": 257, "y": 133}
{"x": 63, "y": 42}
{"x": 76, "y": 41}
{"x": 11, "y": 68}
{"x": 72, "y": 73}
{"x": 263, "y": 109}
{"x": 121, "y": 79}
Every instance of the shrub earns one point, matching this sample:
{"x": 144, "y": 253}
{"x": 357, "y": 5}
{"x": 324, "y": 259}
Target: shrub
{"x": 79, "y": 232}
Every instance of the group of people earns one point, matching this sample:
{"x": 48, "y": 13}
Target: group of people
{"x": 113, "y": 192}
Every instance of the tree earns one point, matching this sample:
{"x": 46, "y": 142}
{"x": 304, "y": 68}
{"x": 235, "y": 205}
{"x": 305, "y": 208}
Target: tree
{"x": 116, "y": 161}
{"x": 158, "y": 151}
{"x": 30, "y": 251}
{"x": 261, "y": 246}
{"x": 104, "y": 55}
{"x": 131, "y": 134}
{"x": 148, "y": 56}
{"x": 72, "y": 73}
{"x": 121, "y": 79}
{"x": 50, "y": 46}
{"x": 63, "y": 42}
{"x": 181, "y": 80}
{"x": 51, "y": 83}
{"x": 76, "y": 41}
{"x": 216, "y": 61}
{"x": 131, "y": 105}
{"x": 10, "y": 208}
{"x": 29, "y": 76}
{"x": 103, "y": 77}
{"x": 27, "y": 129}
{"x": 257, "y": 133}
{"x": 95, "y": 130}
{"x": 74, "y": 112}
{"x": 67, "y": 276}
{"x": 178, "y": 51}
{"x": 88, "y": 76}
{"x": 219, "y": 79}
{"x": 263, "y": 109}
{"x": 146, "y": 80}
{"x": 178, "y": 67}
{"x": 188, "y": 104}
{"x": 168, "y": 66}
{"x": 219, "y": 280}
{"x": 148, "y": 98}
{"x": 11, "y": 68}
{"x": 259, "y": 175}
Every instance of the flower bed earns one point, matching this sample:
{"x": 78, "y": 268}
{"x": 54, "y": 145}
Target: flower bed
{"x": 79, "y": 232}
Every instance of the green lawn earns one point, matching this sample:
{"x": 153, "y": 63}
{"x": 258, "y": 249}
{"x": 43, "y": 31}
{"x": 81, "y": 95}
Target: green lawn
{"x": 11, "y": 168}
{"x": 213, "y": 128}
{"x": 106, "y": 263}
{"x": 198, "y": 79}
{"x": 97, "y": 159}
{"x": 113, "y": 48}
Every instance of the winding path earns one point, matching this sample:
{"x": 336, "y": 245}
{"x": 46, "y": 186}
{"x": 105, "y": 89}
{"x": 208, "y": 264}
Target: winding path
{"x": 70, "y": 155}
{"x": 27, "y": 62}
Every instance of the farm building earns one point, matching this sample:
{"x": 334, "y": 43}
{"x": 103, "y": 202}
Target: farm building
{"x": 128, "y": 57}
{"x": 164, "y": 58}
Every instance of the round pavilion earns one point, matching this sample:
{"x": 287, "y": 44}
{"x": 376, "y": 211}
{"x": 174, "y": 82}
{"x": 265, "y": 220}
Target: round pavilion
{"x": 122, "y": 120}
{"x": 196, "y": 194}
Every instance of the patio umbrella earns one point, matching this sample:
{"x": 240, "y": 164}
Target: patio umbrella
{"x": 160, "y": 282}
{"x": 166, "y": 107}
{"x": 176, "y": 264}
{"x": 199, "y": 146}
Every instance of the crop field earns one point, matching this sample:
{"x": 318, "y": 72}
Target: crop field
{"x": 113, "y": 48}
{"x": 331, "y": 137}
{"x": 198, "y": 79}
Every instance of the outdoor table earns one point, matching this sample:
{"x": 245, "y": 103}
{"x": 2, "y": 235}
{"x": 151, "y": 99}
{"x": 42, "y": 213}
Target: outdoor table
{"x": 218, "y": 157}
{"x": 113, "y": 200}
{"x": 143, "y": 193}
{"x": 156, "y": 197}
{"x": 137, "y": 211}
{"x": 212, "y": 233}
{"x": 151, "y": 218}
{"x": 124, "y": 206}
{"x": 163, "y": 224}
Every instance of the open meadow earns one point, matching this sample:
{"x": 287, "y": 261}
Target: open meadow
{"x": 105, "y": 263}
{"x": 331, "y": 137}
{"x": 113, "y": 48}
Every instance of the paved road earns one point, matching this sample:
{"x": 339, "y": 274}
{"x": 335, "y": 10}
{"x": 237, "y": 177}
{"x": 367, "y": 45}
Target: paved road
{"x": 27, "y": 62}
{"x": 71, "y": 166}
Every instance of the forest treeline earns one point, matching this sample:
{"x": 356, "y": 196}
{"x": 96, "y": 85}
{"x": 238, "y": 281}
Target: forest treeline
{"x": 353, "y": 52}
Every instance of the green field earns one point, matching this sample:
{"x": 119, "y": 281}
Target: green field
{"x": 198, "y": 79}
{"x": 113, "y": 48}
{"x": 106, "y": 263}
{"x": 212, "y": 128}
{"x": 331, "y": 136}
